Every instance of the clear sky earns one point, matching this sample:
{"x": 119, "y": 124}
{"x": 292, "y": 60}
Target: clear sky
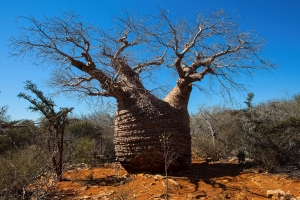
{"x": 278, "y": 21}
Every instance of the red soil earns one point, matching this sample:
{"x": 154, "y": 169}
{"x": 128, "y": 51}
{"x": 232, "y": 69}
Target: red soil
{"x": 220, "y": 180}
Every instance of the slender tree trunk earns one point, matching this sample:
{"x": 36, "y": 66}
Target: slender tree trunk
{"x": 140, "y": 124}
{"x": 61, "y": 153}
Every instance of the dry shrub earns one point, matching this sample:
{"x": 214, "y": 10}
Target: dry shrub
{"x": 276, "y": 145}
{"x": 19, "y": 169}
{"x": 126, "y": 192}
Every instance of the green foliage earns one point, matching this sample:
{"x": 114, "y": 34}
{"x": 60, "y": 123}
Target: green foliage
{"x": 39, "y": 104}
{"x": 277, "y": 144}
{"x": 272, "y": 133}
{"x": 17, "y": 136}
{"x": 5, "y": 121}
{"x": 268, "y": 133}
{"x": 57, "y": 122}
{"x": 97, "y": 132}
{"x": 27, "y": 151}
{"x": 3, "y": 114}
{"x": 84, "y": 151}
{"x": 43, "y": 104}
{"x": 249, "y": 100}
{"x": 84, "y": 128}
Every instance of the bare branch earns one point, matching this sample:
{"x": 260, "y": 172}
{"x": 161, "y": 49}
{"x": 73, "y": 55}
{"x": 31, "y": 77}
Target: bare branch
{"x": 118, "y": 57}
{"x": 173, "y": 31}
{"x": 80, "y": 80}
{"x": 158, "y": 61}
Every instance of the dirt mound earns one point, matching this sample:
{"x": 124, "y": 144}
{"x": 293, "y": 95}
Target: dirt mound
{"x": 220, "y": 180}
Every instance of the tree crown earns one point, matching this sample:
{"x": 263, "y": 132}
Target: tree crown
{"x": 120, "y": 58}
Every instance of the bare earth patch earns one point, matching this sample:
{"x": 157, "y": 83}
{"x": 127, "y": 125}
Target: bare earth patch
{"x": 220, "y": 180}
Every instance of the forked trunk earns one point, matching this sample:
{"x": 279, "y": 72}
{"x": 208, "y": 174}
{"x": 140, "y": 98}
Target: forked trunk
{"x": 140, "y": 126}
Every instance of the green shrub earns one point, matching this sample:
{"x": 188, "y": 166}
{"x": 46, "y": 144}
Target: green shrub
{"x": 18, "y": 136}
{"x": 276, "y": 144}
{"x": 84, "y": 151}
{"x": 90, "y": 140}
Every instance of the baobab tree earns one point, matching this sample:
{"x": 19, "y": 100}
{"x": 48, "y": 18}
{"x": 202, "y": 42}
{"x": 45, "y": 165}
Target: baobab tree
{"x": 117, "y": 62}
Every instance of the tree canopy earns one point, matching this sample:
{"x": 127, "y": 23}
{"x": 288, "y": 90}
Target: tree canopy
{"x": 132, "y": 50}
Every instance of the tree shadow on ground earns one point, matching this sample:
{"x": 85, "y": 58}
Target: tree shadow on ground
{"x": 207, "y": 171}
{"x": 107, "y": 181}
{"x": 214, "y": 170}
{"x": 112, "y": 180}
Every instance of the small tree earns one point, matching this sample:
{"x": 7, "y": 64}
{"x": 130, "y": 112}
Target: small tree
{"x": 5, "y": 121}
{"x": 169, "y": 157}
{"x": 248, "y": 123}
{"x": 57, "y": 122}
{"x": 213, "y": 132}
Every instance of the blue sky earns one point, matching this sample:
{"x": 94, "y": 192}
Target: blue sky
{"x": 278, "y": 21}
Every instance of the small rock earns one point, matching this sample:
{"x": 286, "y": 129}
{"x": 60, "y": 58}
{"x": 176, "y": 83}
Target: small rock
{"x": 67, "y": 178}
{"x": 191, "y": 196}
{"x": 81, "y": 166}
{"x": 174, "y": 182}
{"x": 158, "y": 177}
{"x": 159, "y": 195}
{"x": 277, "y": 193}
{"x": 87, "y": 187}
{"x": 228, "y": 196}
{"x": 126, "y": 176}
{"x": 105, "y": 193}
{"x": 163, "y": 183}
{"x": 122, "y": 182}
{"x": 153, "y": 183}
{"x": 148, "y": 175}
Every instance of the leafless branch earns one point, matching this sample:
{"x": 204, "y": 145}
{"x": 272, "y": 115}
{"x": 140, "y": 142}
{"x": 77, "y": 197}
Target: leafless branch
{"x": 119, "y": 56}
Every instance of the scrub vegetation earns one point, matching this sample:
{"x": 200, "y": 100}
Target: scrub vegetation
{"x": 147, "y": 133}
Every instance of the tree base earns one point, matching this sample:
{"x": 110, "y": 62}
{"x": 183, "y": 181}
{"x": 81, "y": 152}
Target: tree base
{"x": 150, "y": 130}
{"x": 155, "y": 164}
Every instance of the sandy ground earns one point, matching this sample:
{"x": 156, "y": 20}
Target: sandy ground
{"x": 219, "y": 180}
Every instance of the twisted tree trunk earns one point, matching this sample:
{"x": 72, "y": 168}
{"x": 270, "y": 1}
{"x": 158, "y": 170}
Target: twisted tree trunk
{"x": 140, "y": 125}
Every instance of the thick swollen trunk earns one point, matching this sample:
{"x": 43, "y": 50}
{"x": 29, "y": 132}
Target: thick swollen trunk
{"x": 140, "y": 126}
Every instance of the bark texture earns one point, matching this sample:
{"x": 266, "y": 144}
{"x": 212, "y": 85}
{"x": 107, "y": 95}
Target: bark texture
{"x": 141, "y": 123}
